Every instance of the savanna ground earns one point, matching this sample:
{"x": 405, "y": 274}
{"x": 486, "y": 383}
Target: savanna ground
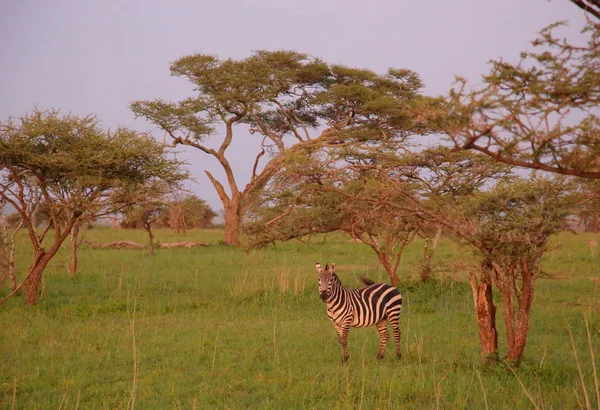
{"x": 221, "y": 328}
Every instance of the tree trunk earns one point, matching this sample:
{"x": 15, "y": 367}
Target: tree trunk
{"x": 74, "y": 249}
{"x": 508, "y": 314}
{"x": 387, "y": 264}
{"x": 233, "y": 222}
{"x": 34, "y": 281}
{"x": 485, "y": 314}
{"x": 9, "y": 251}
{"x": 10, "y": 264}
{"x": 505, "y": 284}
{"x": 148, "y": 229}
{"x": 386, "y": 261}
{"x": 428, "y": 255}
{"x": 12, "y": 276}
{"x": 516, "y": 349}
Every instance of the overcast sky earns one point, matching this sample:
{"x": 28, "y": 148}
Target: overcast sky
{"x": 99, "y": 56}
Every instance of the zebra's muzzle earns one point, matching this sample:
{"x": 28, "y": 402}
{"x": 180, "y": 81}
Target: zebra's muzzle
{"x": 324, "y": 296}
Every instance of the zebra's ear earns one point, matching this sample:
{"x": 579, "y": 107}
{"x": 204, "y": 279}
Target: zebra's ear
{"x": 332, "y": 269}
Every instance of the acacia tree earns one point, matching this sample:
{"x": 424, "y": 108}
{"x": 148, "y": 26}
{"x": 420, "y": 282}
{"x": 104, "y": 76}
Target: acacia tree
{"x": 317, "y": 195}
{"x": 145, "y": 206}
{"x": 540, "y": 112}
{"x": 374, "y": 195}
{"x": 196, "y": 212}
{"x": 510, "y": 226}
{"x": 507, "y": 220}
{"x": 290, "y": 102}
{"x": 75, "y": 167}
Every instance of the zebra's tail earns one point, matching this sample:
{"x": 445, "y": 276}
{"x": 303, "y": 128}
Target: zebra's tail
{"x": 366, "y": 281}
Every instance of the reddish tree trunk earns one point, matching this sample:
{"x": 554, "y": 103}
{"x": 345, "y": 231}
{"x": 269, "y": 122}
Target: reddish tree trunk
{"x": 34, "y": 281}
{"x": 233, "y": 221}
{"x": 508, "y": 314}
{"x": 42, "y": 257}
{"x": 485, "y": 314}
{"x": 389, "y": 268}
{"x": 516, "y": 349}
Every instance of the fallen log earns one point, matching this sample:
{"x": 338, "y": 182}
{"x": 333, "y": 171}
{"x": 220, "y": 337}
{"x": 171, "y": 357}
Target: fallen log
{"x": 181, "y": 244}
{"x": 115, "y": 244}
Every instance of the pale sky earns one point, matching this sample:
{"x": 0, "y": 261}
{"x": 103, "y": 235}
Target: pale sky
{"x": 96, "y": 57}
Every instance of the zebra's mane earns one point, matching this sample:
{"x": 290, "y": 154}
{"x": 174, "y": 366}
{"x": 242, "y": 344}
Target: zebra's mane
{"x": 366, "y": 281}
{"x": 363, "y": 279}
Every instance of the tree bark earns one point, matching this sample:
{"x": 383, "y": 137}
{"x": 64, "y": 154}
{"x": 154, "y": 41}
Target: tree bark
{"x": 34, "y": 281}
{"x": 233, "y": 221}
{"x": 428, "y": 254}
{"x": 74, "y": 249}
{"x": 504, "y": 283}
{"x": 388, "y": 266}
{"x": 9, "y": 256}
{"x": 148, "y": 229}
{"x": 517, "y": 348}
{"x": 485, "y": 314}
{"x": 11, "y": 272}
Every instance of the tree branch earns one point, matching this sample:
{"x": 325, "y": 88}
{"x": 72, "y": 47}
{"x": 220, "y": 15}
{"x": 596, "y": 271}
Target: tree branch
{"x": 589, "y": 8}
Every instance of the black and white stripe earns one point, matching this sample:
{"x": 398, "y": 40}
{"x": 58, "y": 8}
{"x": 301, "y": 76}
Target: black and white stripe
{"x": 368, "y": 306}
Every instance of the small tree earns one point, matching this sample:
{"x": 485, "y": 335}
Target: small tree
{"x": 291, "y": 102}
{"x": 510, "y": 227}
{"x": 197, "y": 213}
{"x": 374, "y": 195}
{"x": 146, "y": 205}
{"x": 76, "y": 168}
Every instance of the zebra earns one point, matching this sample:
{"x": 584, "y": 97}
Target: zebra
{"x": 364, "y": 307}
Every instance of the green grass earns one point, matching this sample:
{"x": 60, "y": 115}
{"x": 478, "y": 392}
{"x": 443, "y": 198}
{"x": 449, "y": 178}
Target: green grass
{"x": 219, "y": 327}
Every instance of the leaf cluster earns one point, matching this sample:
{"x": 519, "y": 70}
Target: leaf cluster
{"x": 540, "y": 112}
{"x": 285, "y": 93}
{"x": 514, "y": 221}
{"x": 73, "y": 163}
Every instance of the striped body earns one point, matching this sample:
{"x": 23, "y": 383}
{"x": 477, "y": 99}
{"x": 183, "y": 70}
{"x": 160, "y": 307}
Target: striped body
{"x": 370, "y": 306}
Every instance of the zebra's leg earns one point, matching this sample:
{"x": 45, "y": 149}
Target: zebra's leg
{"x": 396, "y": 332}
{"x": 342, "y": 332}
{"x": 384, "y": 335}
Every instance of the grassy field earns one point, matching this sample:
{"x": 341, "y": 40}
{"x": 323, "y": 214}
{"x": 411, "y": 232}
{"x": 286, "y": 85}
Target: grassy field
{"x": 221, "y": 328}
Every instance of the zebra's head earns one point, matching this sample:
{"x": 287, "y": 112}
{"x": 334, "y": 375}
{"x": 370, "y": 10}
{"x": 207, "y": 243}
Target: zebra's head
{"x": 327, "y": 280}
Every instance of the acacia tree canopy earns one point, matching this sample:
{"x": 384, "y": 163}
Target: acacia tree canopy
{"x": 77, "y": 171}
{"x": 291, "y": 102}
{"x": 377, "y": 196}
{"x": 510, "y": 226}
{"x": 539, "y": 113}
